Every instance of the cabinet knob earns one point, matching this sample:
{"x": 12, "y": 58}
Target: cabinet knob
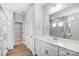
{"x": 46, "y": 51}
{"x": 67, "y": 53}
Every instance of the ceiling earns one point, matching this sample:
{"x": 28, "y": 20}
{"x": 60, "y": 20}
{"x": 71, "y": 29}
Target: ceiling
{"x": 17, "y": 7}
{"x": 58, "y": 7}
{"x": 23, "y": 7}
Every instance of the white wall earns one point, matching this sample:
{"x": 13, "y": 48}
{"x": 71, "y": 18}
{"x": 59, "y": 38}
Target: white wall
{"x": 34, "y": 20}
{"x": 18, "y": 17}
{"x": 39, "y": 13}
{"x": 33, "y": 24}
{"x": 28, "y": 22}
{"x": 28, "y": 28}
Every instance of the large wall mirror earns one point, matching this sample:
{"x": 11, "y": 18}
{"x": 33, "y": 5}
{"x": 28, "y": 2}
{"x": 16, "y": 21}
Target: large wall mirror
{"x": 62, "y": 22}
{"x": 59, "y": 27}
{"x": 65, "y": 27}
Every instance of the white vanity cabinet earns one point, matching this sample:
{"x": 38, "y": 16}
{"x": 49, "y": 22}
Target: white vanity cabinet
{"x": 66, "y": 52}
{"x": 48, "y": 49}
{"x": 45, "y": 49}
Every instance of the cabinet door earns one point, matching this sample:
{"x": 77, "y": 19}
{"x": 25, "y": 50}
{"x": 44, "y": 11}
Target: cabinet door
{"x": 48, "y": 49}
{"x": 66, "y": 52}
{"x": 3, "y": 31}
{"x": 38, "y": 47}
{"x": 30, "y": 43}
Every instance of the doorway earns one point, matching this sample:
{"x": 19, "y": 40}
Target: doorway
{"x": 18, "y": 31}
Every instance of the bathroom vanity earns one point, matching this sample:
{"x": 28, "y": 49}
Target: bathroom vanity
{"x": 62, "y": 39}
{"x": 51, "y": 46}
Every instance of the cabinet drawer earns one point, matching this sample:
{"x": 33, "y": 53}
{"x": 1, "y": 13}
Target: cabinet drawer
{"x": 50, "y": 52}
{"x": 66, "y": 52}
{"x": 51, "y": 46}
{"x": 38, "y": 51}
{"x": 48, "y": 49}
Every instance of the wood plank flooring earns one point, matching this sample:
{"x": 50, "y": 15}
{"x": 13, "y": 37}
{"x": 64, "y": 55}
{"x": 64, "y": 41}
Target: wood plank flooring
{"x": 20, "y": 49}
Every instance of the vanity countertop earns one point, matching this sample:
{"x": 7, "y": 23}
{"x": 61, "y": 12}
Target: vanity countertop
{"x": 65, "y": 43}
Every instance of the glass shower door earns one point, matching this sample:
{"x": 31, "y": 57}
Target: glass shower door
{"x": 3, "y": 33}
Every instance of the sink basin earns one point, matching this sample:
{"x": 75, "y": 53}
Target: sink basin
{"x": 60, "y": 43}
{"x": 55, "y": 38}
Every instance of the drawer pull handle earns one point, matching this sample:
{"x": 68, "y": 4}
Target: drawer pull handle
{"x": 67, "y": 53}
{"x": 46, "y": 51}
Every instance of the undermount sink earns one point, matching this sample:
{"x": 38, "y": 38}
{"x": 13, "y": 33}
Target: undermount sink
{"x": 60, "y": 43}
{"x": 55, "y": 38}
{"x": 56, "y": 41}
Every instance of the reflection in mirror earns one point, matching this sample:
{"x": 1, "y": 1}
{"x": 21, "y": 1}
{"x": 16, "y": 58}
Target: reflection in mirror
{"x": 60, "y": 27}
{"x": 54, "y": 24}
{"x": 60, "y": 24}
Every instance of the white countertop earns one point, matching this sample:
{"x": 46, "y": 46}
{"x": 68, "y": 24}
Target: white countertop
{"x": 65, "y": 43}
